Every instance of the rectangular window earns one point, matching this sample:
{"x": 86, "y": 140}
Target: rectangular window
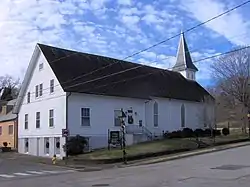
{"x": 51, "y": 118}
{"x": 46, "y": 146}
{"x": 26, "y": 145}
{"x": 38, "y": 120}
{"x": 26, "y": 121}
{"x": 0, "y": 130}
{"x": 28, "y": 97}
{"x": 11, "y": 128}
{"x": 40, "y": 89}
{"x": 37, "y": 90}
{"x": 52, "y": 86}
{"x": 85, "y": 117}
{"x": 155, "y": 114}
{"x": 117, "y": 121}
{"x": 57, "y": 145}
{"x": 40, "y": 66}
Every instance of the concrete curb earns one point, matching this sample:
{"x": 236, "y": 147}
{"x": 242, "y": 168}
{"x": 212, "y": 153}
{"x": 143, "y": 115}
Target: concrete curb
{"x": 189, "y": 154}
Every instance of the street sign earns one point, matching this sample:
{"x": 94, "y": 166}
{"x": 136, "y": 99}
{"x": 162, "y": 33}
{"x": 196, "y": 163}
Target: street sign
{"x": 65, "y": 132}
{"x": 115, "y": 137}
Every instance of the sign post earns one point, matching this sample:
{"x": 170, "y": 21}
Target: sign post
{"x": 122, "y": 118}
{"x": 248, "y": 116}
{"x": 65, "y": 133}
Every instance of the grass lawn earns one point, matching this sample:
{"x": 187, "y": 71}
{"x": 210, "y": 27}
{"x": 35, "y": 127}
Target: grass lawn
{"x": 157, "y": 146}
{"x": 146, "y": 147}
{"x": 224, "y": 138}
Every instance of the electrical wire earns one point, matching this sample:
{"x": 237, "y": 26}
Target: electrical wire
{"x": 159, "y": 43}
{"x": 188, "y": 30}
{"x": 144, "y": 75}
{"x": 126, "y": 70}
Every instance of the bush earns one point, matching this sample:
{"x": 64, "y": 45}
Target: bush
{"x": 76, "y": 145}
{"x": 208, "y": 132}
{"x": 216, "y": 132}
{"x": 225, "y": 131}
{"x": 174, "y": 134}
{"x": 187, "y": 133}
{"x": 199, "y": 132}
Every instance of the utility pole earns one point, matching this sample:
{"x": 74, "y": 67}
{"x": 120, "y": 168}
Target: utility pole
{"x": 123, "y": 116}
{"x": 248, "y": 118}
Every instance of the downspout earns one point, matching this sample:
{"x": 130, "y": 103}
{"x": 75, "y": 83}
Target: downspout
{"x": 16, "y": 132}
{"x": 67, "y": 124}
{"x": 67, "y": 96}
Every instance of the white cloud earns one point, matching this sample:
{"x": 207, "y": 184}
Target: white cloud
{"x": 228, "y": 25}
{"x": 152, "y": 19}
{"x": 112, "y": 29}
{"x": 131, "y": 22}
{"x": 124, "y": 2}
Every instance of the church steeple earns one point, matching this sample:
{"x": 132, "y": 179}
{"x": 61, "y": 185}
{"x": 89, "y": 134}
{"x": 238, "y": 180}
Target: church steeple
{"x": 184, "y": 63}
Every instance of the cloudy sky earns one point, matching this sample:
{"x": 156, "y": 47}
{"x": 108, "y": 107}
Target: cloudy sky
{"x": 119, "y": 28}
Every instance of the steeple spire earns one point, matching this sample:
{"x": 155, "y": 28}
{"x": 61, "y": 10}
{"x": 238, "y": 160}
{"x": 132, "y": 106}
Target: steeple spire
{"x": 184, "y": 63}
{"x": 184, "y": 60}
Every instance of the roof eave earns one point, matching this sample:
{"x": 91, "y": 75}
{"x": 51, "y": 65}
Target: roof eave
{"x": 26, "y": 80}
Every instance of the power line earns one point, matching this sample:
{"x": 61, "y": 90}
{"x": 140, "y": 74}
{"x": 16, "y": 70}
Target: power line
{"x": 144, "y": 75}
{"x": 221, "y": 54}
{"x": 163, "y": 70}
{"x": 194, "y": 50}
{"x": 116, "y": 72}
{"x": 126, "y": 70}
{"x": 159, "y": 43}
{"x": 190, "y": 29}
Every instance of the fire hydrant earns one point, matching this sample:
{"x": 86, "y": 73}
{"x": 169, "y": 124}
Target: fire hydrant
{"x": 54, "y": 159}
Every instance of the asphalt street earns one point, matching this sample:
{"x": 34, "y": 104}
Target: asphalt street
{"x": 227, "y": 168}
{"x": 14, "y": 168}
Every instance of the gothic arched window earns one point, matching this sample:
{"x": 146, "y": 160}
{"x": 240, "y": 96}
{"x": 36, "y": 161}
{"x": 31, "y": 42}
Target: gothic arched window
{"x": 183, "y": 115}
{"x": 155, "y": 114}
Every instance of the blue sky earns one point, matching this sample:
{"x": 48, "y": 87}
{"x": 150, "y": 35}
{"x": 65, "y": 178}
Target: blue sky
{"x": 119, "y": 28}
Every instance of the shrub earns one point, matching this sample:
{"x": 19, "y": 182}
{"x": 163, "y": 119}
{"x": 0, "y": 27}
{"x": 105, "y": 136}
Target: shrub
{"x": 199, "y": 132}
{"x": 5, "y": 144}
{"x": 174, "y": 134}
{"x": 76, "y": 145}
{"x": 216, "y": 132}
{"x": 225, "y": 131}
{"x": 187, "y": 133}
{"x": 208, "y": 132}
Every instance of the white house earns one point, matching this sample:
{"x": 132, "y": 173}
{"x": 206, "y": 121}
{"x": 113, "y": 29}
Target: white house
{"x": 84, "y": 93}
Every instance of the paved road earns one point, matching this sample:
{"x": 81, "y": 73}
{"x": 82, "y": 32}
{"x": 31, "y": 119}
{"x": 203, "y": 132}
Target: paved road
{"x": 14, "y": 168}
{"x": 228, "y": 168}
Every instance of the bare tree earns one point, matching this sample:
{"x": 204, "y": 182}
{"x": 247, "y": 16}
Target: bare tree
{"x": 231, "y": 73}
{"x": 13, "y": 84}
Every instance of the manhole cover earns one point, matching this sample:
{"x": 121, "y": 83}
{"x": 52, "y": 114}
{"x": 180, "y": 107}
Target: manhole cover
{"x": 230, "y": 167}
{"x": 100, "y": 185}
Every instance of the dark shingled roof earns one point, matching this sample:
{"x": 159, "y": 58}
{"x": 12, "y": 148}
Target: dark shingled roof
{"x": 184, "y": 60}
{"x": 151, "y": 81}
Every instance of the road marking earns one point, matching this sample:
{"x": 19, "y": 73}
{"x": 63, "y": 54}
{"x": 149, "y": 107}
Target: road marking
{"x": 41, "y": 172}
{"x": 35, "y": 172}
{"x": 22, "y": 174}
{"x": 45, "y": 171}
{"x": 6, "y": 176}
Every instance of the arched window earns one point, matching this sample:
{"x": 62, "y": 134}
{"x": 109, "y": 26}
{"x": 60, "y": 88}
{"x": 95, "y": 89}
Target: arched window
{"x": 155, "y": 114}
{"x": 183, "y": 115}
{"x": 205, "y": 116}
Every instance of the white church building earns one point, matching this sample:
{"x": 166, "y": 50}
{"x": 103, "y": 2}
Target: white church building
{"x": 84, "y": 93}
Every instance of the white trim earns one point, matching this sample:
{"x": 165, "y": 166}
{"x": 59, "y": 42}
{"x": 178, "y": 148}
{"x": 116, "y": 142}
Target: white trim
{"x": 27, "y": 78}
